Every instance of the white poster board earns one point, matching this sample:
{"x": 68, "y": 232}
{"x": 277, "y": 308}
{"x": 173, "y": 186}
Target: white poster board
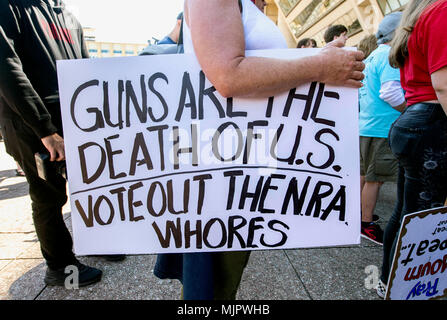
{"x": 159, "y": 162}
{"x": 420, "y": 262}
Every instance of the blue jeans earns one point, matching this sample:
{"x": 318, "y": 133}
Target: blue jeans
{"x": 418, "y": 139}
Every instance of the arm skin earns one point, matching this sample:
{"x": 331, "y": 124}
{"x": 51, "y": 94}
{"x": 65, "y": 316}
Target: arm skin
{"x": 401, "y": 107}
{"x": 439, "y": 82}
{"x": 218, "y": 40}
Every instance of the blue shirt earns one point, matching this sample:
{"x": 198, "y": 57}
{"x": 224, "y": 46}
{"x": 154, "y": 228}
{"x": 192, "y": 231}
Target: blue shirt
{"x": 166, "y": 40}
{"x": 376, "y": 116}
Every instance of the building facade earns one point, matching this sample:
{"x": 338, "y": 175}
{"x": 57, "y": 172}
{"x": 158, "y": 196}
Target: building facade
{"x": 99, "y": 49}
{"x": 298, "y": 19}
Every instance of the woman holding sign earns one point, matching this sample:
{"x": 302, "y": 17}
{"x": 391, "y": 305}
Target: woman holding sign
{"x": 219, "y": 39}
{"x": 419, "y": 136}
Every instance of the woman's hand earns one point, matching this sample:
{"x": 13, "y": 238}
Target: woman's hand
{"x": 341, "y": 67}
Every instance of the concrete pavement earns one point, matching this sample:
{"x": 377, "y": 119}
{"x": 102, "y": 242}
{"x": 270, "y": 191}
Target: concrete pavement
{"x": 304, "y": 274}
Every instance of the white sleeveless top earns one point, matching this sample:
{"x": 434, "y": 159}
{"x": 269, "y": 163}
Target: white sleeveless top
{"x": 260, "y": 32}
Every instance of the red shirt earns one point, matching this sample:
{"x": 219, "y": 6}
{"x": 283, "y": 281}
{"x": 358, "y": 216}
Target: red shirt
{"x": 427, "y": 53}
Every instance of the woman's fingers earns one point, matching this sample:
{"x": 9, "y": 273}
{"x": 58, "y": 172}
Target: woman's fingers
{"x": 357, "y": 75}
{"x": 353, "y": 84}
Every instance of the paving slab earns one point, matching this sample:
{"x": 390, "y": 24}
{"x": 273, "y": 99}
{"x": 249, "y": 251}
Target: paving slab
{"x": 270, "y": 276}
{"x": 131, "y": 279}
{"x": 4, "y": 263}
{"x": 385, "y": 202}
{"x": 22, "y": 279}
{"x": 32, "y": 252}
{"x": 336, "y": 273}
{"x": 13, "y": 244}
{"x": 15, "y": 213}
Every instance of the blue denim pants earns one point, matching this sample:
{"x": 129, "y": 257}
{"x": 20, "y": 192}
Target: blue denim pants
{"x": 418, "y": 139}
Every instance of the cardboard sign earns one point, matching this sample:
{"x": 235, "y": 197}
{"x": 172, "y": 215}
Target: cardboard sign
{"x": 420, "y": 262}
{"x": 158, "y": 161}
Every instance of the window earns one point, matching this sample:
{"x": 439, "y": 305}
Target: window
{"x": 388, "y": 6}
{"x": 349, "y": 20}
{"x": 130, "y": 50}
{"x": 287, "y": 5}
{"x": 311, "y": 14}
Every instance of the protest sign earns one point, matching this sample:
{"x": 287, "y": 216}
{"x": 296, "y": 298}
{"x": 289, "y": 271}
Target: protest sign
{"x": 420, "y": 261}
{"x": 158, "y": 161}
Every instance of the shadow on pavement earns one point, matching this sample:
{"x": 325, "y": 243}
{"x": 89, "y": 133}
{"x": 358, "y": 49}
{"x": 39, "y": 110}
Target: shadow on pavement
{"x": 5, "y": 174}
{"x": 30, "y": 284}
{"x": 14, "y": 190}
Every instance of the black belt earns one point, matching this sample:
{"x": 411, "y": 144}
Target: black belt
{"x": 421, "y": 106}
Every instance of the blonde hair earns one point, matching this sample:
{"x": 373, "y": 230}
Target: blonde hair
{"x": 399, "y": 44}
{"x": 368, "y": 44}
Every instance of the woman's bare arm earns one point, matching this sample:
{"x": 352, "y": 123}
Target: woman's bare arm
{"x": 218, "y": 40}
{"x": 439, "y": 82}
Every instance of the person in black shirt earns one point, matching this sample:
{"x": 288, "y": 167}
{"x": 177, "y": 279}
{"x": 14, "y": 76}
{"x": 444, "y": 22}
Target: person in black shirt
{"x": 33, "y": 35}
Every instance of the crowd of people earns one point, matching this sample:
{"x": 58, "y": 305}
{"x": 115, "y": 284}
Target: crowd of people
{"x": 401, "y": 74}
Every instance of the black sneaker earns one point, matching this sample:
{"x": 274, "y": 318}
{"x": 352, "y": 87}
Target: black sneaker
{"x": 114, "y": 257}
{"x": 373, "y": 232}
{"x": 87, "y": 275}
